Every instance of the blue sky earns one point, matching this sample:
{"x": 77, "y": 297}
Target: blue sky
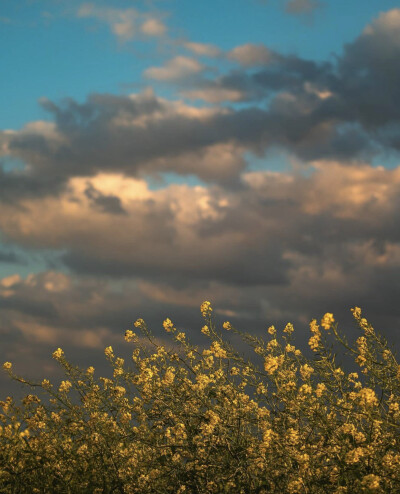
{"x": 156, "y": 154}
{"x": 48, "y": 52}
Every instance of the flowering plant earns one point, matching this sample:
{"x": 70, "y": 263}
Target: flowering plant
{"x": 182, "y": 422}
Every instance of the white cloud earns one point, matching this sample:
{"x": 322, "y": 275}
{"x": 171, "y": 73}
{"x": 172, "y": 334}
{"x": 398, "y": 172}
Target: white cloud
{"x": 250, "y": 54}
{"x": 176, "y": 68}
{"x": 387, "y": 24}
{"x": 124, "y": 23}
{"x": 153, "y": 27}
{"x": 215, "y": 94}
{"x": 202, "y": 49}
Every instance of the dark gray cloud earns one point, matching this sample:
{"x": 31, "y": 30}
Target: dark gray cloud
{"x": 315, "y": 110}
{"x": 10, "y": 257}
{"x": 106, "y": 203}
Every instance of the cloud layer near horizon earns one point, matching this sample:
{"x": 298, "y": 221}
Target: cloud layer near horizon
{"x": 264, "y": 246}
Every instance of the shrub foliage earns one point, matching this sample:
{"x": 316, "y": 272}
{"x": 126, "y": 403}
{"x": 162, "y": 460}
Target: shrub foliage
{"x": 182, "y": 422}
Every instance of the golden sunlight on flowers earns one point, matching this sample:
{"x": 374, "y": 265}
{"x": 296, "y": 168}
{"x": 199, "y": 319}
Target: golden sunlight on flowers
{"x": 65, "y": 386}
{"x": 289, "y": 328}
{"x": 206, "y": 308}
{"x": 139, "y": 322}
{"x": 271, "y": 364}
{"x": 205, "y": 330}
{"x": 371, "y": 482}
{"x": 217, "y": 350}
{"x": 320, "y": 389}
{"x": 168, "y": 326}
{"x": 7, "y": 365}
{"x": 57, "y": 354}
{"x": 327, "y": 321}
{"x": 227, "y": 325}
{"x": 306, "y": 371}
{"x": 367, "y": 397}
{"x": 131, "y": 336}
{"x": 356, "y": 312}
{"x": 172, "y": 424}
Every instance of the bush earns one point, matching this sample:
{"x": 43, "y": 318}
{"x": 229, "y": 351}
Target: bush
{"x": 183, "y": 423}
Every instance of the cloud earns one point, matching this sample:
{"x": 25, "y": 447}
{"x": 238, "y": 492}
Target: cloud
{"x": 153, "y": 27}
{"x": 251, "y": 55}
{"x": 126, "y": 24}
{"x": 164, "y": 228}
{"x": 214, "y": 94}
{"x": 10, "y": 257}
{"x": 284, "y": 246}
{"x": 202, "y": 49}
{"x": 314, "y": 110}
{"x": 177, "y": 68}
{"x": 296, "y": 7}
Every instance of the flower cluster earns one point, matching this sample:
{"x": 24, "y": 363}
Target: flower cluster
{"x": 181, "y": 422}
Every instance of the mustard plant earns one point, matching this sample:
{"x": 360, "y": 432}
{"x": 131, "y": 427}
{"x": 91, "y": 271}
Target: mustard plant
{"x": 191, "y": 421}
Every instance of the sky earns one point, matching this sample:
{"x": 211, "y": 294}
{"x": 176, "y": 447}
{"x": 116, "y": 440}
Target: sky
{"x": 157, "y": 154}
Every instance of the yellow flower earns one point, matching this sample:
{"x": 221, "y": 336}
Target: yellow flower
{"x": 109, "y": 352}
{"x": 202, "y": 380}
{"x": 306, "y": 371}
{"x": 217, "y": 350}
{"x": 205, "y": 330}
{"x": 169, "y": 376}
{"x": 139, "y": 323}
{"x": 7, "y": 365}
{"x": 46, "y": 384}
{"x": 271, "y": 364}
{"x": 320, "y": 389}
{"x": 206, "y": 308}
{"x": 90, "y": 371}
{"x": 289, "y": 328}
{"x": 64, "y": 387}
{"x": 354, "y": 455}
{"x": 261, "y": 389}
{"x": 327, "y": 321}
{"x": 306, "y": 389}
{"x": 356, "y": 312}
{"x": 180, "y": 337}
{"x": 168, "y": 325}
{"x": 227, "y": 326}
{"x": 367, "y": 397}
{"x": 314, "y": 341}
{"x": 119, "y": 390}
{"x": 58, "y": 353}
{"x": 130, "y": 336}
{"x": 272, "y": 330}
{"x": 371, "y": 482}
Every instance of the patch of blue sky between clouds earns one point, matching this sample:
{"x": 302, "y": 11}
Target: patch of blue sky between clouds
{"x": 11, "y": 164}
{"x": 14, "y": 259}
{"x": 171, "y": 178}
